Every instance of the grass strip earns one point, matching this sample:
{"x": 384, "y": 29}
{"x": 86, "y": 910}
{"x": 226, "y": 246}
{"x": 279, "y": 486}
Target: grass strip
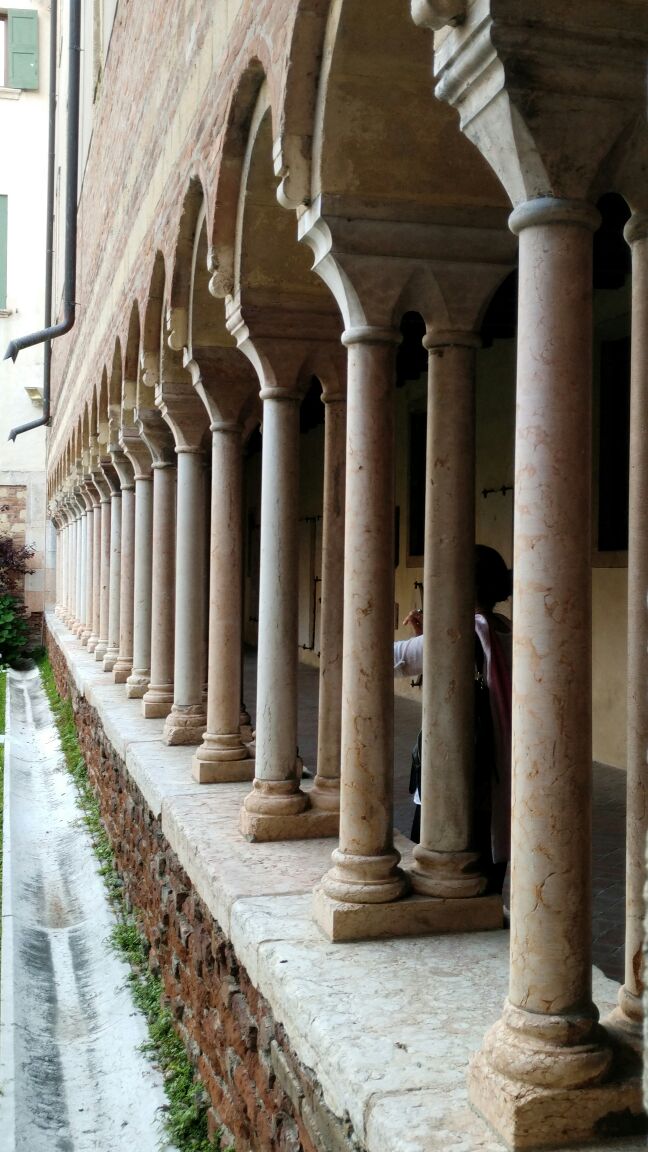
{"x": 185, "y": 1120}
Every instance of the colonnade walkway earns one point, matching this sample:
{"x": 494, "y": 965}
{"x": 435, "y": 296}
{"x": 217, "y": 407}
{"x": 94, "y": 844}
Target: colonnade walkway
{"x": 388, "y": 1026}
{"x": 609, "y": 810}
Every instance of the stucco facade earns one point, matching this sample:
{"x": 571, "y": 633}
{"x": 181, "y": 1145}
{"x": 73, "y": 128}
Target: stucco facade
{"x": 23, "y": 129}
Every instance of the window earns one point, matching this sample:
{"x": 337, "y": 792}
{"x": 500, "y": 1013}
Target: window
{"x": 19, "y": 49}
{"x": 3, "y": 253}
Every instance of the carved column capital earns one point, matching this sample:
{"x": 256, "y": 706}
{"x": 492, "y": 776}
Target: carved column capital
{"x": 546, "y": 107}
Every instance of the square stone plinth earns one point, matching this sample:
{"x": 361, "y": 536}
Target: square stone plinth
{"x": 309, "y": 825}
{"x": 412, "y": 916}
{"x": 526, "y": 1116}
{"x": 156, "y": 709}
{"x": 222, "y": 772}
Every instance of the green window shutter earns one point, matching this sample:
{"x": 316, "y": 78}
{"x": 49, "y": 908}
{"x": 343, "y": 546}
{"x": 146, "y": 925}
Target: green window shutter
{"x": 3, "y": 252}
{"x": 22, "y": 48}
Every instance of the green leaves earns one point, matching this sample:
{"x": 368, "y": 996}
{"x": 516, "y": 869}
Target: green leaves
{"x": 14, "y": 632}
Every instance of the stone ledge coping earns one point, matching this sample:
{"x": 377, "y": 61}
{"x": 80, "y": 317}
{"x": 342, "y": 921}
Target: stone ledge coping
{"x": 387, "y": 1026}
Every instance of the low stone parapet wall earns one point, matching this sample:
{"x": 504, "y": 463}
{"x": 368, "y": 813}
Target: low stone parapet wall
{"x": 258, "y": 1087}
{"x": 302, "y": 1045}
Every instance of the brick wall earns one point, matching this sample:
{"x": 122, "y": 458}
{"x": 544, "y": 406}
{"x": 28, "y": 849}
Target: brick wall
{"x": 13, "y": 511}
{"x": 257, "y": 1086}
{"x": 155, "y": 64}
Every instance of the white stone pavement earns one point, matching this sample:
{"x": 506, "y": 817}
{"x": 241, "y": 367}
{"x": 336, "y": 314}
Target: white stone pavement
{"x": 387, "y": 1026}
{"x": 72, "y": 1077}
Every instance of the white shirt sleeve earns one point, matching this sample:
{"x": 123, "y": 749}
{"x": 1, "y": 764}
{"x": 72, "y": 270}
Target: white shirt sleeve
{"x": 408, "y": 657}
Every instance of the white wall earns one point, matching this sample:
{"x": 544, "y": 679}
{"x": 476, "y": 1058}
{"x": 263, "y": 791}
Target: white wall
{"x": 23, "y": 179}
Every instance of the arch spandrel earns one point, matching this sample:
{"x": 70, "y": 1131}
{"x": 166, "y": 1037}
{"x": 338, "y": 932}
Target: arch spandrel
{"x": 177, "y": 318}
{"x": 222, "y": 376}
{"x": 275, "y": 291}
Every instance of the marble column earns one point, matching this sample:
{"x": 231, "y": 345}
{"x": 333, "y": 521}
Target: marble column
{"x": 124, "y": 661}
{"x": 87, "y": 592}
{"x": 114, "y": 570}
{"x": 158, "y": 698}
{"x": 138, "y": 681}
{"x": 222, "y": 754}
{"x": 185, "y": 723}
{"x": 548, "y": 1038}
{"x": 72, "y": 557}
{"x": 365, "y": 865}
{"x": 94, "y": 636}
{"x": 325, "y": 792}
{"x": 444, "y": 865}
{"x": 276, "y": 792}
{"x": 630, "y": 1014}
{"x": 104, "y": 564}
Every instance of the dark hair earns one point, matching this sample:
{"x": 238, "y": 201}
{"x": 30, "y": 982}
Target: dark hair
{"x": 493, "y": 580}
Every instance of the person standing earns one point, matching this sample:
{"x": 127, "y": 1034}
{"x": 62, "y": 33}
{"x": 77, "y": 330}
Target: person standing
{"x": 493, "y": 655}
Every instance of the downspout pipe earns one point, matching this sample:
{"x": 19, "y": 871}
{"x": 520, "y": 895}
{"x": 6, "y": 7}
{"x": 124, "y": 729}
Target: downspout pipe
{"x": 50, "y": 332}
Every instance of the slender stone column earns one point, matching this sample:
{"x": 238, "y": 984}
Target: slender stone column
{"x": 186, "y": 721}
{"x": 81, "y": 571}
{"x": 112, "y": 649}
{"x": 59, "y": 530}
{"x": 630, "y": 1013}
{"x": 222, "y": 754}
{"x": 548, "y": 1037}
{"x": 73, "y": 561}
{"x": 94, "y": 636}
{"x": 124, "y": 661}
{"x": 87, "y": 593}
{"x": 158, "y": 698}
{"x": 103, "y": 487}
{"x": 365, "y": 866}
{"x": 276, "y": 791}
{"x": 444, "y": 865}
{"x": 325, "y": 793}
{"x": 62, "y": 570}
{"x": 138, "y": 681}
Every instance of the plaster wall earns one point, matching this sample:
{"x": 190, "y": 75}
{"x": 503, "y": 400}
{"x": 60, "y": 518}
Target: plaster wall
{"x": 23, "y": 180}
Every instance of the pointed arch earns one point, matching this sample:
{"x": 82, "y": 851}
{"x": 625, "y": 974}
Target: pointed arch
{"x": 180, "y": 280}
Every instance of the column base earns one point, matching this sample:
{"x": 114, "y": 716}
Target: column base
{"x": 325, "y": 794}
{"x": 122, "y": 670}
{"x": 222, "y": 758}
{"x": 185, "y": 724}
{"x": 447, "y": 875}
{"x": 529, "y": 1116}
{"x": 626, "y": 1021}
{"x": 136, "y": 685}
{"x": 310, "y": 824}
{"x": 101, "y": 649}
{"x": 93, "y": 640}
{"x": 110, "y": 659}
{"x": 157, "y": 703}
{"x": 411, "y": 916}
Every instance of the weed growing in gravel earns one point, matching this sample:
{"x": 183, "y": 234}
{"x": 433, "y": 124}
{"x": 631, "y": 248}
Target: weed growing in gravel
{"x": 185, "y": 1122}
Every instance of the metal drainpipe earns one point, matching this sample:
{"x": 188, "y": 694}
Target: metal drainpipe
{"x": 50, "y": 332}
